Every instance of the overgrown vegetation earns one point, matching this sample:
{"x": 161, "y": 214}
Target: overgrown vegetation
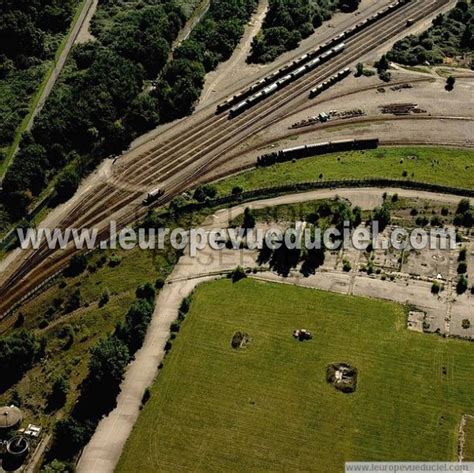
{"x": 450, "y": 36}
{"x": 289, "y": 21}
{"x": 102, "y": 102}
{"x": 98, "y": 392}
{"x": 213, "y": 40}
{"x": 18, "y": 352}
{"x": 30, "y": 33}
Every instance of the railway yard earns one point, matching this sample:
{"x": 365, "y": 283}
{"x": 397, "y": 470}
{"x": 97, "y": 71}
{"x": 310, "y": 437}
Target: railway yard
{"x": 320, "y": 132}
{"x": 176, "y": 162}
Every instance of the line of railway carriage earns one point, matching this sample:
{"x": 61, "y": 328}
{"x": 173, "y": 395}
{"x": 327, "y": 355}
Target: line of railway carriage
{"x": 284, "y": 81}
{"x": 315, "y": 149}
{"x": 330, "y": 82}
{"x": 297, "y": 152}
{"x": 302, "y": 60}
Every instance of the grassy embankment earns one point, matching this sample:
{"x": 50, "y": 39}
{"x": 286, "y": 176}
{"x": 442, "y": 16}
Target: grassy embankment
{"x": 446, "y": 166}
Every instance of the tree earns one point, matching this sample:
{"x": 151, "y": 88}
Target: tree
{"x": 104, "y": 298}
{"x": 436, "y": 288}
{"x": 69, "y": 437}
{"x": 450, "y": 81}
{"x": 382, "y": 65}
{"x": 18, "y": 353}
{"x": 205, "y": 192}
{"x": 146, "y": 291}
{"x": 133, "y": 330}
{"x": 249, "y": 219}
{"x": 359, "y": 69}
{"x": 107, "y": 363}
{"x": 77, "y": 265}
{"x": 464, "y": 214}
{"x": 58, "y": 394}
{"x": 67, "y": 184}
{"x": 73, "y": 303}
{"x": 382, "y": 216}
{"x": 143, "y": 114}
{"x": 385, "y": 76}
{"x": 238, "y": 274}
{"x": 462, "y": 285}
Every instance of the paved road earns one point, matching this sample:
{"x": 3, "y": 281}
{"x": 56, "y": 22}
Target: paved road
{"x": 104, "y": 449}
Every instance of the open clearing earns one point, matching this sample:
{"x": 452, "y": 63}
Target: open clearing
{"x": 267, "y": 407}
{"x": 445, "y": 166}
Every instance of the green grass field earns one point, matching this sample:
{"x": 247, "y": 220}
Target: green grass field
{"x": 268, "y": 407}
{"x": 446, "y": 166}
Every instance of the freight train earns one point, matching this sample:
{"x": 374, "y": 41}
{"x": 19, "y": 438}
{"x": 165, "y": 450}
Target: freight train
{"x": 306, "y": 151}
{"x": 284, "y": 81}
{"x": 297, "y": 63}
{"x": 330, "y": 82}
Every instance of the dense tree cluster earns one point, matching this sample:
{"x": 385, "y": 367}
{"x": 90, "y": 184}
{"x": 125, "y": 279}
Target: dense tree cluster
{"x": 450, "y": 35}
{"x": 212, "y": 41}
{"x": 325, "y": 214}
{"x": 464, "y": 214}
{"x": 30, "y": 32}
{"x": 18, "y": 353}
{"x": 98, "y": 391}
{"x": 97, "y": 107}
{"x": 288, "y": 22}
{"x": 25, "y": 25}
{"x": 101, "y": 101}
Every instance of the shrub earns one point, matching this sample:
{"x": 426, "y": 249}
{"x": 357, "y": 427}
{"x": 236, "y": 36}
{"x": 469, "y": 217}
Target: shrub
{"x": 104, "y": 298}
{"x": 146, "y": 396}
{"x": 146, "y": 291}
{"x": 466, "y": 324}
{"x": 462, "y": 284}
{"x": 58, "y": 394}
{"x": 114, "y": 261}
{"x": 436, "y": 288}
{"x": 77, "y": 265}
{"x": 450, "y": 81}
{"x": 238, "y": 274}
{"x": 160, "y": 282}
{"x": 237, "y": 190}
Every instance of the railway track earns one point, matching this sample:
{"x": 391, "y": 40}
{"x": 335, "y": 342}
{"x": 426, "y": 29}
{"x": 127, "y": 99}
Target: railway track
{"x": 166, "y": 164}
{"x": 180, "y": 160}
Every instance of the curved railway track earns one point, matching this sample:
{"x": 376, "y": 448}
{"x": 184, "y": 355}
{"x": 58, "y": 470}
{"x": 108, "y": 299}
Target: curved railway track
{"x": 169, "y": 158}
{"x": 194, "y": 152}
